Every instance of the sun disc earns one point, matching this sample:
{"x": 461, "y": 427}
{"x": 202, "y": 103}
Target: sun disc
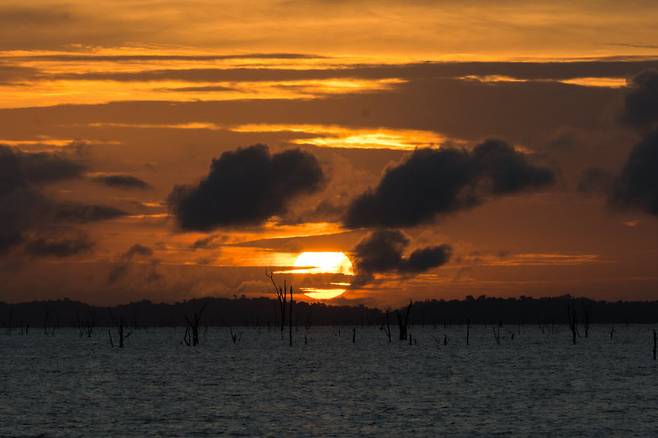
{"x": 323, "y": 263}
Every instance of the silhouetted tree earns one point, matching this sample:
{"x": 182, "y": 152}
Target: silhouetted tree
{"x": 587, "y": 313}
{"x": 122, "y": 334}
{"x": 387, "y": 326}
{"x": 236, "y": 337}
{"x": 49, "y": 331}
{"x": 403, "y": 321}
{"x": 284, "y": 295}
{"x": 191, "y": 337}
{"x": 291, "y": 302}
{"x": 496, "y": 332}
{"x": 281, "y": 294}
{"x": 573, "y": 320}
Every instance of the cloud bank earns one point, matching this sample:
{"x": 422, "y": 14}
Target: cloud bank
{"x": 246, "y": 187}
{"x": 436, "y": 182}
{"x": 636, "y": 187}
{"x": 26, "y": 212}
{"x": 382, "y": 252}
{"x": 121, "y": 181}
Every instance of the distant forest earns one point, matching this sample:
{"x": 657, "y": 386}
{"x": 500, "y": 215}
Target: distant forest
{"x": 265, "y": 311}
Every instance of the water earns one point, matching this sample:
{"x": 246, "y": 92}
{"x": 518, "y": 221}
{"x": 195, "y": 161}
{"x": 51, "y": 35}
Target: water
{"x": 535, "y": 384}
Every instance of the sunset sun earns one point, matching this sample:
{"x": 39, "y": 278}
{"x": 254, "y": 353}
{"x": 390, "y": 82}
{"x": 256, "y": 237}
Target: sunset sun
{"x": 324, "y": 263}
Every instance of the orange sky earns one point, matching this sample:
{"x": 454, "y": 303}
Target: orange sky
{"x": 157, "y": 89}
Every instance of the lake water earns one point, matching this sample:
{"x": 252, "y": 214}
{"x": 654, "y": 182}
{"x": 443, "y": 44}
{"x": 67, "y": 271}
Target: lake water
{"x": 534, "y": 385}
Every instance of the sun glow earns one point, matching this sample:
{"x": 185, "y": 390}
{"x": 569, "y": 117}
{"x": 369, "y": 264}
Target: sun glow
{"x": 347, "y": 137}
{"x": 323, "y": 263}
{"x": 322, "y": 294}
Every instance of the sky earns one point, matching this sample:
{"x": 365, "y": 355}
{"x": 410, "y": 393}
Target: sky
{"x": 367, "y": 152}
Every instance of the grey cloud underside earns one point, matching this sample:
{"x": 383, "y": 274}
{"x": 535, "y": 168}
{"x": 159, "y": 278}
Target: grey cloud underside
{"x": 58, "y": 246}
{"x": 22, "y": 168}
{"x": 530, "y": 71}
{"x": 142, "y": 58}
{"x": 436, "y": 182}
{"x": 122, "y": 266}
{"x": 641, "y": 102}
{"x": 27, "y": 215}
{"x": 637, "y": 185}
{"x": 382, "y": 252}
{"x": 246, "y": 187}
{"x": 213, "y": 241}
{"x": 595, "y": 181}
{"x": 14, "y": 74}
{"x": 121, "y": 181}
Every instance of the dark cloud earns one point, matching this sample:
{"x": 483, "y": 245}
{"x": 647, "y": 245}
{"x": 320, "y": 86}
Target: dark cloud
{"x": 125, "y": 260}
{"x": 24, "y": 209}
{"x": 529, "y": 71}
{"x": 137, "y": 250}
{"x": 38, "y": 167}
{"x": 637, "y": 185}
{"x": 382, "y": 252}
{"x": 435, "y": 182}
{"x": 74, "y": 212}
{"x": 246, "y": 187}
{"x": 208, "y": 88}
{"x": 325, "y": 211}
{"x": 12, "y": 74}
{"x": 641, "y": 103}
{"x": 211, "y": 242}
{"x": 58, "y": 246}
{"x": 121, "y": 181}
{"x": 595, "y": 180}
{"x": 32, "y": 16}
{"x": 140, "y": 58}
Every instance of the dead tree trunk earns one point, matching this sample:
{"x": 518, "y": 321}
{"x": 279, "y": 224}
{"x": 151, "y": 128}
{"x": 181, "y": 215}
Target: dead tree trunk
{"x": 285, "y": 296}
{"x": 121, "y": 333}
{"x": 235, "y": 336}
{"x": 291, "y": 302}
{"x": 192, "y": 331}
{"x": 496, "y": 334}
{"x": 281, "y": 296}
{"x": 122, "y": 336}
{"x": 587, "y": 313}
{"x": 387, "y": 327}
{"x": 403, "y": 321}
{"x": 91, "y": 323}
{"x": 573, "y": 321}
